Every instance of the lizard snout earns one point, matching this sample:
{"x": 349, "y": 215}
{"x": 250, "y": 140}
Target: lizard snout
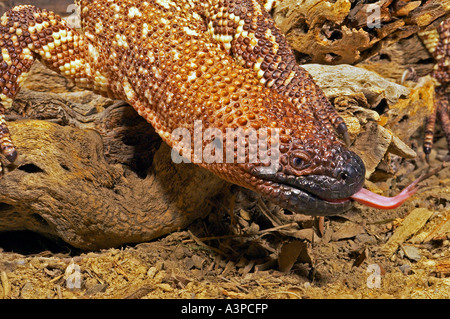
{"x": 349, "y": 175}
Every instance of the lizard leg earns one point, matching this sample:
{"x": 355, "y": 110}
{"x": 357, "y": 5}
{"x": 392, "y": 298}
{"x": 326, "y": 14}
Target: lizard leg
{"x": 443, "y": 114}
{"x": 437, "y": 42}
{"x": 250, "y": 35}
{"x": 429, "y": 132}
{"x": 28, "y": 33}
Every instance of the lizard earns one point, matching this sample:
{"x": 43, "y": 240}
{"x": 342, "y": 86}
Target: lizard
{"x": 221, "y": 63}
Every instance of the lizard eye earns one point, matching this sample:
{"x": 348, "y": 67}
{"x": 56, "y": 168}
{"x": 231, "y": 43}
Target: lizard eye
{"x": 299, "y": 160}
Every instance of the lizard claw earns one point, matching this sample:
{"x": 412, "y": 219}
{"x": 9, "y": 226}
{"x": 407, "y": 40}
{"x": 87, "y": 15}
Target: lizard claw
{"x": 343, "y": 131}
{"x": 6, "y": 144}
{"x": 409, "y": 74}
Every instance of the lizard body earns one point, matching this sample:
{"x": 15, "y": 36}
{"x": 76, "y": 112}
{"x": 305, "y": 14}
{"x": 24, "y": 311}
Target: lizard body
{"x": 220, "y": 63}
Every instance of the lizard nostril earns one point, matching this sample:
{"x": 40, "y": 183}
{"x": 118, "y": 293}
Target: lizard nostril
{"x": 348, "y": 172}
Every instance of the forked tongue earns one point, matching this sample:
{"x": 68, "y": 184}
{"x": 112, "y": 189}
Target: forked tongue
{"x": 371, "y": 199}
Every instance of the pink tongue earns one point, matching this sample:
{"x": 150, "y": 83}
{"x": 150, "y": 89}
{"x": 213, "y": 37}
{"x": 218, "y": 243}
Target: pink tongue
{"x": 371, "y": 199}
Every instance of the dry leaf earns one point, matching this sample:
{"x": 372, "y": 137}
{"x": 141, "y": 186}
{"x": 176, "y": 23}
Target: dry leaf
{"x": 289, "y": 254}
{"x": 321, "y": 225}
{"x": 347, "y": 231}
{"x": 361, "y": 257}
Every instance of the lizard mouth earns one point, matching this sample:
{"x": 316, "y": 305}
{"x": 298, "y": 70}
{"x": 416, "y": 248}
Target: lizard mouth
{"x": 298, "y": 199}
{"x": 319, "y": 195}
{"x": 303, "y": 202}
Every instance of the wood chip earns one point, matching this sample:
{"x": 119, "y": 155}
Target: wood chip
{"x": 442, "y": 231}
{"x": 228, "y": 268}
{"x": 96, "y": 289}
{"x": 443, "y": 268}
{"x": 141, "y": 292}
{"x": 5, "y": 284}
{"x": 407, "y": 8}
{"x": 248, "y": 268}
{"x": 410, "y": 225}
{"x": 411, "y": 252}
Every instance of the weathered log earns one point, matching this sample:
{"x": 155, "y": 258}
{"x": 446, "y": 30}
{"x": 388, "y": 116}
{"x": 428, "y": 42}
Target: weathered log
{"x": 64, "y": 187}
{"x": 102, "y": 181}
{"x": 344, "y": 31}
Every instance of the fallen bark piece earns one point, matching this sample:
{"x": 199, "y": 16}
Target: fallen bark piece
{"x": 337, "y": 80}
{"x": 356, "y": 93}
{"x": 410, "y": 225}
{"x": 371, "y": 145}
{"x": 362, "y": 256}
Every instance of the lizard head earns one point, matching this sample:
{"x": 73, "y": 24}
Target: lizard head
{"x": 305, "y": 169}
{"x": 310, "y": 178}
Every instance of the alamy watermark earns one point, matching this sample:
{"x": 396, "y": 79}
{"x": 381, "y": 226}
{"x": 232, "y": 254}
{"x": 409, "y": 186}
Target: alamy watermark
{"x": 211, "y": 145}
{"x": 74, "y": 19}
{"x": 374, "y": 279}
{"x": 73, "y": 276}
{"x": 373, "y": 16}
{"x": 373, "y": 11}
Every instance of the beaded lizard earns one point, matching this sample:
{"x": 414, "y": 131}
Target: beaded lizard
{"x": 221, "y": 62}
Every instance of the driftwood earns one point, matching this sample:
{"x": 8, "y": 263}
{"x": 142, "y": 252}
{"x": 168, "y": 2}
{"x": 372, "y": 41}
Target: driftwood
{"x": 103, "y": 181}
{"x": 345, "y": 31}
